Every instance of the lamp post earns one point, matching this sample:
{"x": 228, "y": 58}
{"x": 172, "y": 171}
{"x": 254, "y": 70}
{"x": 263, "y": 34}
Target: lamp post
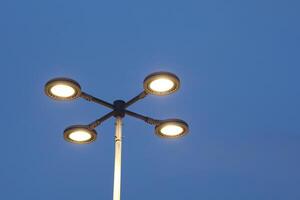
{"x": 159, "y": 83}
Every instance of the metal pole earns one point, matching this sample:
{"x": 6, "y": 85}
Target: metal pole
{"x": 118, "y": 159}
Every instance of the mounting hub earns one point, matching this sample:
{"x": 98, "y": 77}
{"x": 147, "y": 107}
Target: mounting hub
{"x": 119, "y": 108}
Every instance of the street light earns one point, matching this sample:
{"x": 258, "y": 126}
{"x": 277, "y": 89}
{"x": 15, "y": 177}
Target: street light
{"x": 159, "y": 83}
{"x": 80, "y": 134}
{"x": 171, "y": 128}
{"x": 62, "y": 89}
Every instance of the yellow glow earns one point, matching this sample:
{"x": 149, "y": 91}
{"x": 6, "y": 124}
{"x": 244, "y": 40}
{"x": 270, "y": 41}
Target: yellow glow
{"x": 80, "y": 136}
{"x": 161, "y": 85}
{"x": 171, "y": 130}
{"x": 62, "y": 90}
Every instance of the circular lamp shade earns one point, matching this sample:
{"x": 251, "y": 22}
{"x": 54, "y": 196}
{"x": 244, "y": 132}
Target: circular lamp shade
{"x": 172, "y": 128}
{"x": 80, "y": 134}
{"x": 161, "y": 83}
{"x": 62, "y": 89}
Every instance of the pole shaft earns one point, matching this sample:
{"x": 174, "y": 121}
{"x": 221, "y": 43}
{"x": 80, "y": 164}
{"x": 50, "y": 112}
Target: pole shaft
{"x": 118, "y": 159}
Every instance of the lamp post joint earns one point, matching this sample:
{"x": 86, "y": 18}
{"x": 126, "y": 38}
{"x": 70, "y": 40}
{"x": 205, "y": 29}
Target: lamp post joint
{"x": 119, "y": 108}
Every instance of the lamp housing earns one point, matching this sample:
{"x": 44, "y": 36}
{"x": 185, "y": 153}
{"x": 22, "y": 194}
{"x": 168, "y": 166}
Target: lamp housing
{"x": 62, "y": 89}
{"x": 171, "y": 128}
{"x": 80, "y": 134}
{"x": 161, "y": 83}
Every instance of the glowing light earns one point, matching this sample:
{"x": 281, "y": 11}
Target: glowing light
{"x": 62, "y": 90}
{"x": 161, "y": 85}
{"x": 171, "y": 130}
{"x": 80, "y": 136}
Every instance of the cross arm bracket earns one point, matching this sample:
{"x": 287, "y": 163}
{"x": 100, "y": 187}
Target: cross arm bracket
{"x": 91, "y": 98}
{"x": 146, "y": 119}
{"x": 136, "y": 98}
{"x": 97, "y": 122}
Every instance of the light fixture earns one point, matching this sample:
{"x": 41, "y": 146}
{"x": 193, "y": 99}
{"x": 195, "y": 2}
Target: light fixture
{"x": 172, "y": 128}
{"x": 161, "y": 83}
{"x": 62, "y": 89}
{"x": 80, "y": 134}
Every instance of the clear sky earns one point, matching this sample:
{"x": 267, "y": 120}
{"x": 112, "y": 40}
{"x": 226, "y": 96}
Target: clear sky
{"x": 239, "y": 66}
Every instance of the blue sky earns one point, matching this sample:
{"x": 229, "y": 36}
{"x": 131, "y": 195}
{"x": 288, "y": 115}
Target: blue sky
{"x": 239, "y": 66}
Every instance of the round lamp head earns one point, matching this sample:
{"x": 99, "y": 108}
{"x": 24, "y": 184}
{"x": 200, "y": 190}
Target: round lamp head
{"x": 80, "y": 134}
{"x": 172, "y": 128}
{"x": 161, "y": 83}
{"x": 62, "y": 89}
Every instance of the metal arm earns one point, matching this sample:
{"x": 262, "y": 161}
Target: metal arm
{"x": 136, "y": 98}
{"x": 96, "y": 100}
{"x": 146, "y": 119}
{"x": 100, "y": 120}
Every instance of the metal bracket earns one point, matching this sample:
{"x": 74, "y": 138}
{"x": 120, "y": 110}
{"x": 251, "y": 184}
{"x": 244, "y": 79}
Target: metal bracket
{"x": 119, "y": 109}
{"x": 96, "y": 100}
{"x": 136, "y": 98}
{"x": 97, "y": 122}
{"x": 146, "y": 119}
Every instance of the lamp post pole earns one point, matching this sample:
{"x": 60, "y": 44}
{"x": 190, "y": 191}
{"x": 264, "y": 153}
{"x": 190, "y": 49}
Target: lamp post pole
{"x": 118, "y": 158}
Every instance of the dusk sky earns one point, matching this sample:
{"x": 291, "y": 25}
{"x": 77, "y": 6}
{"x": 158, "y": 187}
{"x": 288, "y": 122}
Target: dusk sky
{"x": 239, "y": 66}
